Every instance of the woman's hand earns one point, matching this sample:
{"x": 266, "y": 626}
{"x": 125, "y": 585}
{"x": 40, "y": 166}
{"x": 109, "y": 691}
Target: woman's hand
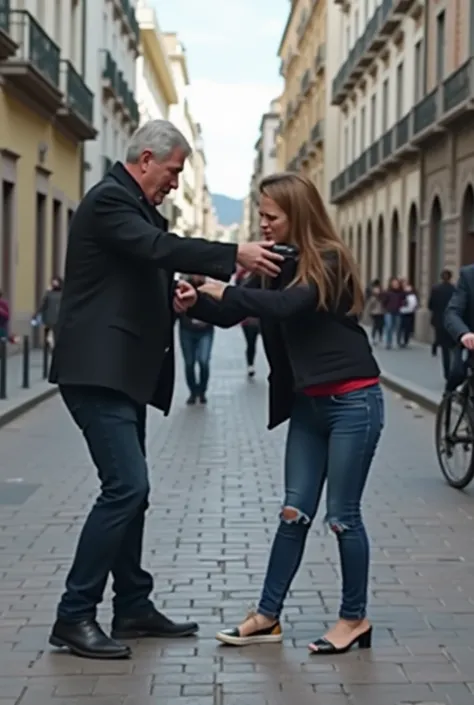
{"x": 214, "y": 289}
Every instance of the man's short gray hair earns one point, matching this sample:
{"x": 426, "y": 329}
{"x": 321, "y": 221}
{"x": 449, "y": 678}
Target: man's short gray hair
{"x": 159, "y": 136}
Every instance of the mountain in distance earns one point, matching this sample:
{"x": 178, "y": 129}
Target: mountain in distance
{"x": 229, "y": 210}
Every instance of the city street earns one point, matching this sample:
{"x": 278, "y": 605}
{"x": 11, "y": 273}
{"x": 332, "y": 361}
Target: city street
{"x": 216, "y": 476}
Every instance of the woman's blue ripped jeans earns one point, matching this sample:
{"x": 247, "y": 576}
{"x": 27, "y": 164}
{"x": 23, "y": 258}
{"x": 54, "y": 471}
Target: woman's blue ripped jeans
{"x": 334, "y": 439}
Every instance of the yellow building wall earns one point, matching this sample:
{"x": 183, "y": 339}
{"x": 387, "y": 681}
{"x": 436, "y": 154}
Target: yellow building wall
{"x": 22, "y": 131}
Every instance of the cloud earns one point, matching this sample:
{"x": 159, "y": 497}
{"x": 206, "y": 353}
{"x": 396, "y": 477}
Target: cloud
{"x": 230, "y": 115}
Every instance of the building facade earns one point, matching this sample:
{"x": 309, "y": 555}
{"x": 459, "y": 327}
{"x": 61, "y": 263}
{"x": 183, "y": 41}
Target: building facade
{"x": 377, "y": 88}
{"x": 265, "y": 161}
{"x": 444, "y": 131}
{"x": 112, "y": 48}
{"x": 154, "y": 76}
{"x": 180, "y": 114}
{"x": 302, "y": 53}
{"x": 46, "y": 115}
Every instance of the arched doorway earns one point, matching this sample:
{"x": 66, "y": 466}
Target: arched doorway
{"x": 359, "y": 249}
{"x": 413, "y": 246}
{"x": 368, "y": 253}
{"x": 379, "y": 272}
{"x": 436, "y": 241}
{"x": 467, "y": 224}
{"x": 395, "y": 246}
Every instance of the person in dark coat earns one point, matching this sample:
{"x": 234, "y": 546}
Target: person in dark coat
{"x": 114, "y": 355}
{"x": 440, "y": 296}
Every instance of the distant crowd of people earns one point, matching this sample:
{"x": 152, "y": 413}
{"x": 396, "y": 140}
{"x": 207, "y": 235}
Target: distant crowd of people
{"x": 391, "y": 312}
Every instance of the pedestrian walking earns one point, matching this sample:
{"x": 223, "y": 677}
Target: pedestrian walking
{"x": 407, "y": 315}
{"x": 196, "y": 340}
{"x": 393, "y": 299}
{"x": 113, "y": 355}
{"x": 325, "y": 380}
{"x": 250, "y": 328}
{"x": 438, "y": 301}
{"x": 48, "y": 311}
{"x": 375, "y": 312}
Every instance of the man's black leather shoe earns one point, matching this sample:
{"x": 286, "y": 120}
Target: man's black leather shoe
{"x": 87, "y": 639}
{"x": 153, "y": 624}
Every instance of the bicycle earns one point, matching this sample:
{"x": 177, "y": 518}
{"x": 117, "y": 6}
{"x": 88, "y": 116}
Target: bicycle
{"x": 457, "y": 404}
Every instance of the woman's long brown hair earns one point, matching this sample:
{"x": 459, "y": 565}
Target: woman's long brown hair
{"x": 324, "y": 259}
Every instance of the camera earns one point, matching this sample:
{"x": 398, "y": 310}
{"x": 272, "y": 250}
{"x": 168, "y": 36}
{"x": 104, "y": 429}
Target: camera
{"x": 286, "y": 251}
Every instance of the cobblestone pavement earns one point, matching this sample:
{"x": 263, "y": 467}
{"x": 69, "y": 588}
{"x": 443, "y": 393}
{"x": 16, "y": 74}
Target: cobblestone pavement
{"x": 216, "y": 476}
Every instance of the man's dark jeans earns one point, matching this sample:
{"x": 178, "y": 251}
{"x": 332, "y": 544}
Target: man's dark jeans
{"x": 112, "y": 536}
{"x": 196, "y": 346}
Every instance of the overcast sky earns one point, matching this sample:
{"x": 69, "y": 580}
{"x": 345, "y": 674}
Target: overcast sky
{"x": 231, "y": 50}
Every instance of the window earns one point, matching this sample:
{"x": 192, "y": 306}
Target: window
{"x": 400, "y": 90}
{"x": 419, "y": 62}
{"x": 362, "y": 129}
{"x": 346, "y": 146}
{"x": 385, "y": 106}
{"x": 440, "y": 45}
{"x": 373, "y": 118}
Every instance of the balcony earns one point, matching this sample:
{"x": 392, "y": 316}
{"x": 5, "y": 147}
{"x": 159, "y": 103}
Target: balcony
{"x": 34, "y": 68}
{"x": 7, "y": 45}
{"x": 317, "y": 134}
{"x": 77, "y": 112}
{"x": 305, "y": 82}
{"x": 382, "y": 24}
{"x": 389, "y": 18}
{"x": 320, "y": 61}
{"x": 425, "y": 116}
{"x": 132, "y": 107}
{"x": 109, "y": 76}
{"x": 129, "y": 23}
{"x": 458, "y": 94}
{"x": 303, "y": 155}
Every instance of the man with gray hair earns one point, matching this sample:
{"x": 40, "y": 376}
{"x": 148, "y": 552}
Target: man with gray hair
{"x": 114, "y": 355}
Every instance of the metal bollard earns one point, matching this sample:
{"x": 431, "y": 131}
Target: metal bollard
{"x": 45, "y": 356}
{"x": 3, "y": 369}
{"x": 26, "y": 362}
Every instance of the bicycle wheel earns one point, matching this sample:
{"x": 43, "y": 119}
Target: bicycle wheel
{"x": 454, "y": 438}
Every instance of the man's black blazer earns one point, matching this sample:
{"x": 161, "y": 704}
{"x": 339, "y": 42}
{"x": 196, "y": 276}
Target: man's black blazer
{"x": 115, "y": 327}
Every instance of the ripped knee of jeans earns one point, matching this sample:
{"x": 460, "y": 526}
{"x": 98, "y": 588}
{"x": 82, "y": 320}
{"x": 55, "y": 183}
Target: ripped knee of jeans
{"x": 293, "y": 515}
{"x": 337, "y": 526}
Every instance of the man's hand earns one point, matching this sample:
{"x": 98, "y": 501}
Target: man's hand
{"x": 214, "y": 289}
{"x": 468, "y": 341}
{"x": 185, "y": 296}
{"x": 256, "y": 257}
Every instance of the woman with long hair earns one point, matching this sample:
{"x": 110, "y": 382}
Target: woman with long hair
{"x": 325, "y": 380}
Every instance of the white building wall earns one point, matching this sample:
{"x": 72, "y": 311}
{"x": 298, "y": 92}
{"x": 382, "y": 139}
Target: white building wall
{"x": 179, "y": 115}
{"x": 104, "y": 32}
{"x": 269, "y": 150}
{"x": 151, "y": 101}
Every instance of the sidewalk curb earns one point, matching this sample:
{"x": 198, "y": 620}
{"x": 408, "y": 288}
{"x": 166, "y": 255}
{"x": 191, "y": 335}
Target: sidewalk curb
{"x": 423, "y": 397}
{"x": 16, "y": 409}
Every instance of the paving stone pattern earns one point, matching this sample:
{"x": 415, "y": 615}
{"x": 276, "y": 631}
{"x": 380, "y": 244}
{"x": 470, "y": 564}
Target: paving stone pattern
{"x": 216, "y": 475}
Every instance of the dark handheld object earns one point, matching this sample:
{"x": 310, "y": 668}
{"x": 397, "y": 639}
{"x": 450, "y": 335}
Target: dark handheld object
{"x": 286, "y": 251}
